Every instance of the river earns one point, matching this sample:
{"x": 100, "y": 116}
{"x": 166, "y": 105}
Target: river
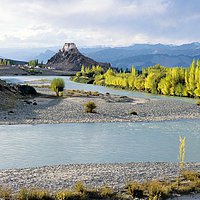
{"x": 39, "y": 145}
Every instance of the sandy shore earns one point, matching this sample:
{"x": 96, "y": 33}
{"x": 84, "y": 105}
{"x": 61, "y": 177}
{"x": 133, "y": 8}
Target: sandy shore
{"x": 93, "y": 175}
{"x": 50, "y": 109}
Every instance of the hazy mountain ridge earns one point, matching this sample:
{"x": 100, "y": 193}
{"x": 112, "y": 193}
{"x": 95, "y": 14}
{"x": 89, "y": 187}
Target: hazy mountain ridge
{"x": 122, "y": 57}
{"x": 143, "y": 55}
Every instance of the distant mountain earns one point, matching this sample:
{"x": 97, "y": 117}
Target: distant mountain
{"x": 45, "y": 56}
{"x": 138, "y": 55}
{"x": 25, "y": 54}
{"x": 152, "y": 59}
{"x": 142, "y": 55}
{"x": 70, "y": 59}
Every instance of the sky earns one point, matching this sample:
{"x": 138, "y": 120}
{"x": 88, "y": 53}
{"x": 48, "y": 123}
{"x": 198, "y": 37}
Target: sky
{"x": 48, "y": 23}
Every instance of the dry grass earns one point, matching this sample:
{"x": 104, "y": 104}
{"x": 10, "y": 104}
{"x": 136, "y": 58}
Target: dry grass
{"x": 152, "y": 190}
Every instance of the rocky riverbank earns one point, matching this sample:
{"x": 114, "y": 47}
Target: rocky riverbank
{"x": 114, "y": 175}
{"x": 47, "y": 108}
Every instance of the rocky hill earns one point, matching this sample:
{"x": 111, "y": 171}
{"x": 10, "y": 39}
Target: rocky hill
{"x": 70, "y": 59}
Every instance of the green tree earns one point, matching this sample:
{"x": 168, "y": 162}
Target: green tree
{"x": 191, "y": 79}
{"x": 139, "y": 83}
{"x": 57, "y": 85}
{"x": 33, "y": 63}
{"x": 164, "y": 86}
{"x": 151, "y": 83}
{"x": 179, "y": 89}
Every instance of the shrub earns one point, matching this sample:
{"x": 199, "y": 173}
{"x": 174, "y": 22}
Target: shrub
{"x": 135, "y": 189}
{"x": 67, "y": 195}
{"x": 191, "y": 175}
{"x": 95, "y": 94}
{"x": 57, "y": 85}
{"x": 157, "y": 190}
{"x": 106, "y": 192}
{"x": 33, "y": 194}
{"x": 89, "y": 107}
{"x": 78, "y": 74}
{"x": 198, "y": 103}
{"x": 5, "y": 194}
{"x": 79, "y": 187}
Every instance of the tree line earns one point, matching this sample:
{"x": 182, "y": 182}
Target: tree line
{"x": 176, "y": 81}
{"x": 5, "y": 62}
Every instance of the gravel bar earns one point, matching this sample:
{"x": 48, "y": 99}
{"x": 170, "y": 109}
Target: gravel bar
{"x": 115, "y": 175}
{"x": 49, "y": 109}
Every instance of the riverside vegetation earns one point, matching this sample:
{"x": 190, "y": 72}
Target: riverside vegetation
{"x": 176, "y": 81}
{"x": 151, "y": 190}
{"x": 57, "y": 85}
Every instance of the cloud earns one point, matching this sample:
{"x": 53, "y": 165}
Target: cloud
{"x": 43, "y": 23}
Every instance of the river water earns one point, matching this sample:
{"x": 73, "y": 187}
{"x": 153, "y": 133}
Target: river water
{"x": 52, "y": 144}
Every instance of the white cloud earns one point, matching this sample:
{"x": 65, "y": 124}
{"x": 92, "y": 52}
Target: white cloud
{"x": 42, "y": 23}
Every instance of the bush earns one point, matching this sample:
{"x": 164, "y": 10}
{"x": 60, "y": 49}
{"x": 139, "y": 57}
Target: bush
{"x": 57, "y": 85}
{"x": 89, "y": 107}
{"x": 191, "y": 175}
{"x": 158, "y": 190}
{"x": 79, "y": 187}
{"x": 5, "y": 194}
{"x": 33, "y": 194}
{"x": 67, "y": 195}
{"x": 106, "y": 192}
{"x": 135, "y": 189}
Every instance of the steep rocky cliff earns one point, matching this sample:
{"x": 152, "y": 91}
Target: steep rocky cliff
{"x": 70, "y": 59}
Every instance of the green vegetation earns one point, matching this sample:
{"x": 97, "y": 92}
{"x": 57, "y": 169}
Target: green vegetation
{"x": 89, "y": 107}
{"x": 57, "y": 85}
{"x": 86, "y": 75}
{"x": 5, "y": 62}
{"x": 33, "y": 194}
{"x": 177, "y": 81}
{"x": 181, "y": 153}
{"x": 33, "y": 63}
{"x": 82, "y": 93}
{"x": 151, "y": 190}
{"x": 34, "y": 71}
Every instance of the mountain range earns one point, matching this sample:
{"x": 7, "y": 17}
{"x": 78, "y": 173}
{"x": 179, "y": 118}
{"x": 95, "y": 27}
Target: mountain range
{"x": 139, "y": 55}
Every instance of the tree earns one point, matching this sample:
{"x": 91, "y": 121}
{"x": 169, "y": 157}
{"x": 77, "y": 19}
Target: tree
{"x": 139, "y": 83}
{"x": 33, "y": 63}
{"x": 179, "y": 89}
{"x": 164, "y": 86}
{"x": 151, "y": 83}
{"x": 57, "y": 85}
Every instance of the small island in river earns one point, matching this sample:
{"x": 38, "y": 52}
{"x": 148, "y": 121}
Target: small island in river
{"x": 45, "y": 107}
